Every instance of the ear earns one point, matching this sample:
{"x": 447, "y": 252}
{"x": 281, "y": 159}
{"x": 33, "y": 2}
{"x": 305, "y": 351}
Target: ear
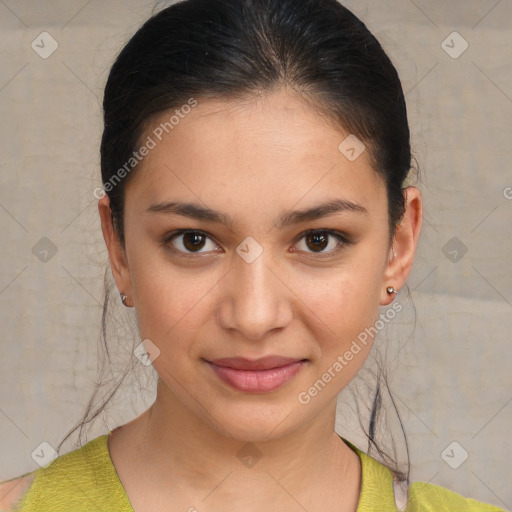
{"x": 401, "y": 254}
{"x": 117, "y": 254}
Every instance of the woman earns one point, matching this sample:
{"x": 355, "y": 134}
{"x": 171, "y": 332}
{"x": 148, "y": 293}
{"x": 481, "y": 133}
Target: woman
{"x": 253, "y": 158}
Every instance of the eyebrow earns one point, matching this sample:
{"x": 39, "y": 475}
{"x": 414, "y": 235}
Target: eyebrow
{"x": 195, "y": 211}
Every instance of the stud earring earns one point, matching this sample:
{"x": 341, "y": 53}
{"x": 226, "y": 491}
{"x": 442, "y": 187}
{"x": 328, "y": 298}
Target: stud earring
{"x": 391, "y": 290}
{"x": 123, "y": 299}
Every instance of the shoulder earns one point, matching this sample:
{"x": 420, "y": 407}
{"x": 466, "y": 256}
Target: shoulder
{"x": 382, "y": 491}
{"x": 12, "y": 491}
{"x": 424, "y": 497}
{"x": 81, "y": 480}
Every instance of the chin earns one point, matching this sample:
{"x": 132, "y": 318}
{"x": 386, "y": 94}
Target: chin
{"x": 251, "y": 422}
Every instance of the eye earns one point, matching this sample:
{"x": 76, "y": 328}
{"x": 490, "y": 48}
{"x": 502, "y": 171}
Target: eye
{"x": 190, "y": 242}
{"x": 318, "y": 240}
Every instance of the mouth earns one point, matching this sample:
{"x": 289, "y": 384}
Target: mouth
{"x": 256, "y": 376}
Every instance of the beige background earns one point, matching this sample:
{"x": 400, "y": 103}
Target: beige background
{"x": 451, "y": 378}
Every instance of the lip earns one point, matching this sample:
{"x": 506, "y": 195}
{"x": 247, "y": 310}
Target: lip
{"x": 256, "y": 376}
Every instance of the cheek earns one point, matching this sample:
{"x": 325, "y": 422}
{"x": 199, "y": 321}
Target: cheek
{"x": 344, "y": 305}
{"x": 350, "y": 293}
{"x": 170, "y": 302}
{"x": 171, "y": 312}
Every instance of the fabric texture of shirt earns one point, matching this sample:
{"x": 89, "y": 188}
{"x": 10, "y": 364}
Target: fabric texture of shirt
{"x": 86, "y": 480}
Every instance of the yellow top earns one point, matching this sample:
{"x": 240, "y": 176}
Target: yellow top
{"x": 85, "y": 480}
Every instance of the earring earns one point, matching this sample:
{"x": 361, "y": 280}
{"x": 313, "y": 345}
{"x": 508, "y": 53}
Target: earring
{"x": 391, "y": 290}
{"x": 123, "y": 299}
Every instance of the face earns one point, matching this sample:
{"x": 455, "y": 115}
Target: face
{"x": 256, "y": 255}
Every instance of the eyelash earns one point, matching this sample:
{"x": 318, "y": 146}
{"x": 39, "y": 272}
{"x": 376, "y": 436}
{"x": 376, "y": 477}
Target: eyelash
{"x": 343, "y": 241}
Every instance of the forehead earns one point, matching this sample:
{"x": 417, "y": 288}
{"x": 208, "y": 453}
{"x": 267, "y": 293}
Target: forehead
{"x": 262, "y": 151}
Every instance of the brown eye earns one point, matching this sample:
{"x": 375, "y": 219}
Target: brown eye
{"x": 193, "y": 241}
{"x": 317, "y": 241}
{"x": 190, "y": 242}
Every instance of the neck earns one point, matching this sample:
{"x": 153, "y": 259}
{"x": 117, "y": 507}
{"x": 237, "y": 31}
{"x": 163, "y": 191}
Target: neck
{"x": 172, "y": 444}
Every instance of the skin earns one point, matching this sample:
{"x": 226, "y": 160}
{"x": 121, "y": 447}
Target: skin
{"x": 254, "y": 160}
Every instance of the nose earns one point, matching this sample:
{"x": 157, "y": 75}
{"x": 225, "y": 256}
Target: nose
{"x": 255, "y": 299}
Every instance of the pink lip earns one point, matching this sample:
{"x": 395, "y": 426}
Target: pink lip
{"x": 256, "y": 376}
